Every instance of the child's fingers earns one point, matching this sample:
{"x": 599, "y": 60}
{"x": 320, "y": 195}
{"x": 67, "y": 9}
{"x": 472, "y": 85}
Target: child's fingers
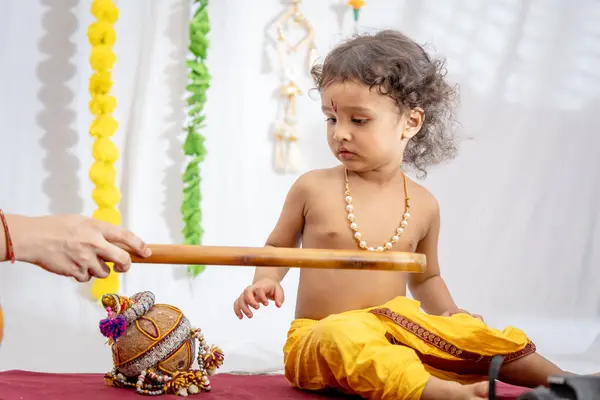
{"x": 246, "y": 310}
{"x": 261, "y": 296}
{"x": 243, "y": 307}
{"x": 249, "y": 298}
{"x": 236, "y": 309}
{"x": 278, "y": 296}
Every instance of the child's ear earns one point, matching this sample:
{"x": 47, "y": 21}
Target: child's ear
{"x": 414, "y": 122}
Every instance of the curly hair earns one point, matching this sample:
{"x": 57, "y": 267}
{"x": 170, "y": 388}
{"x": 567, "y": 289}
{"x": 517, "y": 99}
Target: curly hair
{"x": 402, "y": 69}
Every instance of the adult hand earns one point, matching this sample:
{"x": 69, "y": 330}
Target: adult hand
{"x": 74, "y": 245}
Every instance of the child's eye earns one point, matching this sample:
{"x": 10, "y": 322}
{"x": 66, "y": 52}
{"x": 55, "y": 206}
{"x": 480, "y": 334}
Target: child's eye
{"x": 359, "y": 121}
{"x": 330, "y": 119}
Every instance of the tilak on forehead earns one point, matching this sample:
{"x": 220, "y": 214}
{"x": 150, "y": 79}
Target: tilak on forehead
{"x": 333, "y": 105}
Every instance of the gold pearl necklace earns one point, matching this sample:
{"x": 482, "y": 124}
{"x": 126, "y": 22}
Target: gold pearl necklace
{"x": 354, "y": 226}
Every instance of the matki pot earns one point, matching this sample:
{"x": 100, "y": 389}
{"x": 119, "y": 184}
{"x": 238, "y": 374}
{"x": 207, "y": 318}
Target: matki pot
{"x": 154, "y": 347}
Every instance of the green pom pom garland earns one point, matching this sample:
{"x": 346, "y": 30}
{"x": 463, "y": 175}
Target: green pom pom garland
{"x": 199, "y": 82}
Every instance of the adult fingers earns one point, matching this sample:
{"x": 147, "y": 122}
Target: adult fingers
{"x": 114, "y": 254}
{"x": 121, "y": 268}
{"x": 81, "y": 275}
{"x": 119, "y": 235}
{"x": 99, "y": 269}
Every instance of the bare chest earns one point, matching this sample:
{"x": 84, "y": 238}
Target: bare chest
{"x": 376, "y": 221}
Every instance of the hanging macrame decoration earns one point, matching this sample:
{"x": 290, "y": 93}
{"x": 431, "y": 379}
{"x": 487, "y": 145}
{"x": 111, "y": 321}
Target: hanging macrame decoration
{"x": 287, "y": 150}
{"x": 356, "y": 6}
{"x": 106, "y": 195}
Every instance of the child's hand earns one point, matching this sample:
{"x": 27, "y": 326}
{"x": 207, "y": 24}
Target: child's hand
{"x": 259, "y": 292}
{"x": 461, "y": 311}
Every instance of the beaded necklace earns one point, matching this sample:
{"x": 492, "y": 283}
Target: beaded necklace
{"x": 354, "y": 226}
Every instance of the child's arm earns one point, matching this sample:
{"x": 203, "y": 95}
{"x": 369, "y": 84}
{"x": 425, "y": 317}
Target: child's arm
{"x": 289, "y": 227}
{"x": 287, "y": 233}
{"x": 429, "y": 288}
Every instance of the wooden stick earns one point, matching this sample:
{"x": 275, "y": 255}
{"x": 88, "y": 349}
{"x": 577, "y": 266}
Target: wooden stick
{"x": 283, "y": 257}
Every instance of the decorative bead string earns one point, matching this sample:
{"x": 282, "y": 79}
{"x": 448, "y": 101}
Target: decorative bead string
{"x": 354, "y": 226}
{"x": 140, "y": 304}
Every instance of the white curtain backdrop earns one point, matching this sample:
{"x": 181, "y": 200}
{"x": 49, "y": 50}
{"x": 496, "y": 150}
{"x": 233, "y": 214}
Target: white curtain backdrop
{"x": 520, "y": 204}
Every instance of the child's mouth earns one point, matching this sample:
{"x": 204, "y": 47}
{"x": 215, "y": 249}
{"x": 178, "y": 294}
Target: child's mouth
{"x": 345, "y": 154}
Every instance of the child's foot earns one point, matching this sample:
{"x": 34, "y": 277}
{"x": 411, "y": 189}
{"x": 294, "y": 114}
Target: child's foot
{"x": 437, "y": 389}
{"x": 474, "y": 391}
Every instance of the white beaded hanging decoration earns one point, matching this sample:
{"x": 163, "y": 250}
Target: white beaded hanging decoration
{"x": 354, "y": 226}
{"x": 287, "y": 150}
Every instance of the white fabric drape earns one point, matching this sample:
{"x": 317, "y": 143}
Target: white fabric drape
{"x": 519, "y": 241}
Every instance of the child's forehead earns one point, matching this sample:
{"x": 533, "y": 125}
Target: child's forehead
{"x": 345, "y": 93}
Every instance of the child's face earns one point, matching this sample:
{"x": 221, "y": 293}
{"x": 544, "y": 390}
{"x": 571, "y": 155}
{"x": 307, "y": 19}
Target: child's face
{"x": 365, "y": 129}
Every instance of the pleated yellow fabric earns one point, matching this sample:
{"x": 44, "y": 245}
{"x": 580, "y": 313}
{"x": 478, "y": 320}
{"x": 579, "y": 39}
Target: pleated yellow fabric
{"x": 389, "y": 352}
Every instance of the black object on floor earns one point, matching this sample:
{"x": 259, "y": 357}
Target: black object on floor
{"x": 493, "y": 376}
{"x": 583, "y": 387}
{"x": 578, "y": 387}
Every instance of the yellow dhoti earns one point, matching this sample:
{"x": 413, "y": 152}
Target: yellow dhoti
{"x": 389, "y": 352}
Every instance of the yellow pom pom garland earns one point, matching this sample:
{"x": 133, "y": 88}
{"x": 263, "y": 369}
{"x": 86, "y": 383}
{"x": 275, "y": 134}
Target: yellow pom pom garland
{"x": 106, "y": 195}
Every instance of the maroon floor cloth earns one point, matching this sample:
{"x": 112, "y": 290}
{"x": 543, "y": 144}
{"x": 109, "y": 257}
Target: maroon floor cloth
{"x": 24, "y": 385}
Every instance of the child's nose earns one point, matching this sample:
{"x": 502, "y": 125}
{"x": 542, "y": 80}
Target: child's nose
{"x": 340, "y": 134}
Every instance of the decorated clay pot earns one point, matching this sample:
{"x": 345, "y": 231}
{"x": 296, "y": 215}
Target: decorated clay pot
{"x": 154, "y": 347}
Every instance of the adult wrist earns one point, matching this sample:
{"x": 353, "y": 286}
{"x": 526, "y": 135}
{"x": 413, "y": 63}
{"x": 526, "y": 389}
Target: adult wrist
{"x": 22, "y": 237}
